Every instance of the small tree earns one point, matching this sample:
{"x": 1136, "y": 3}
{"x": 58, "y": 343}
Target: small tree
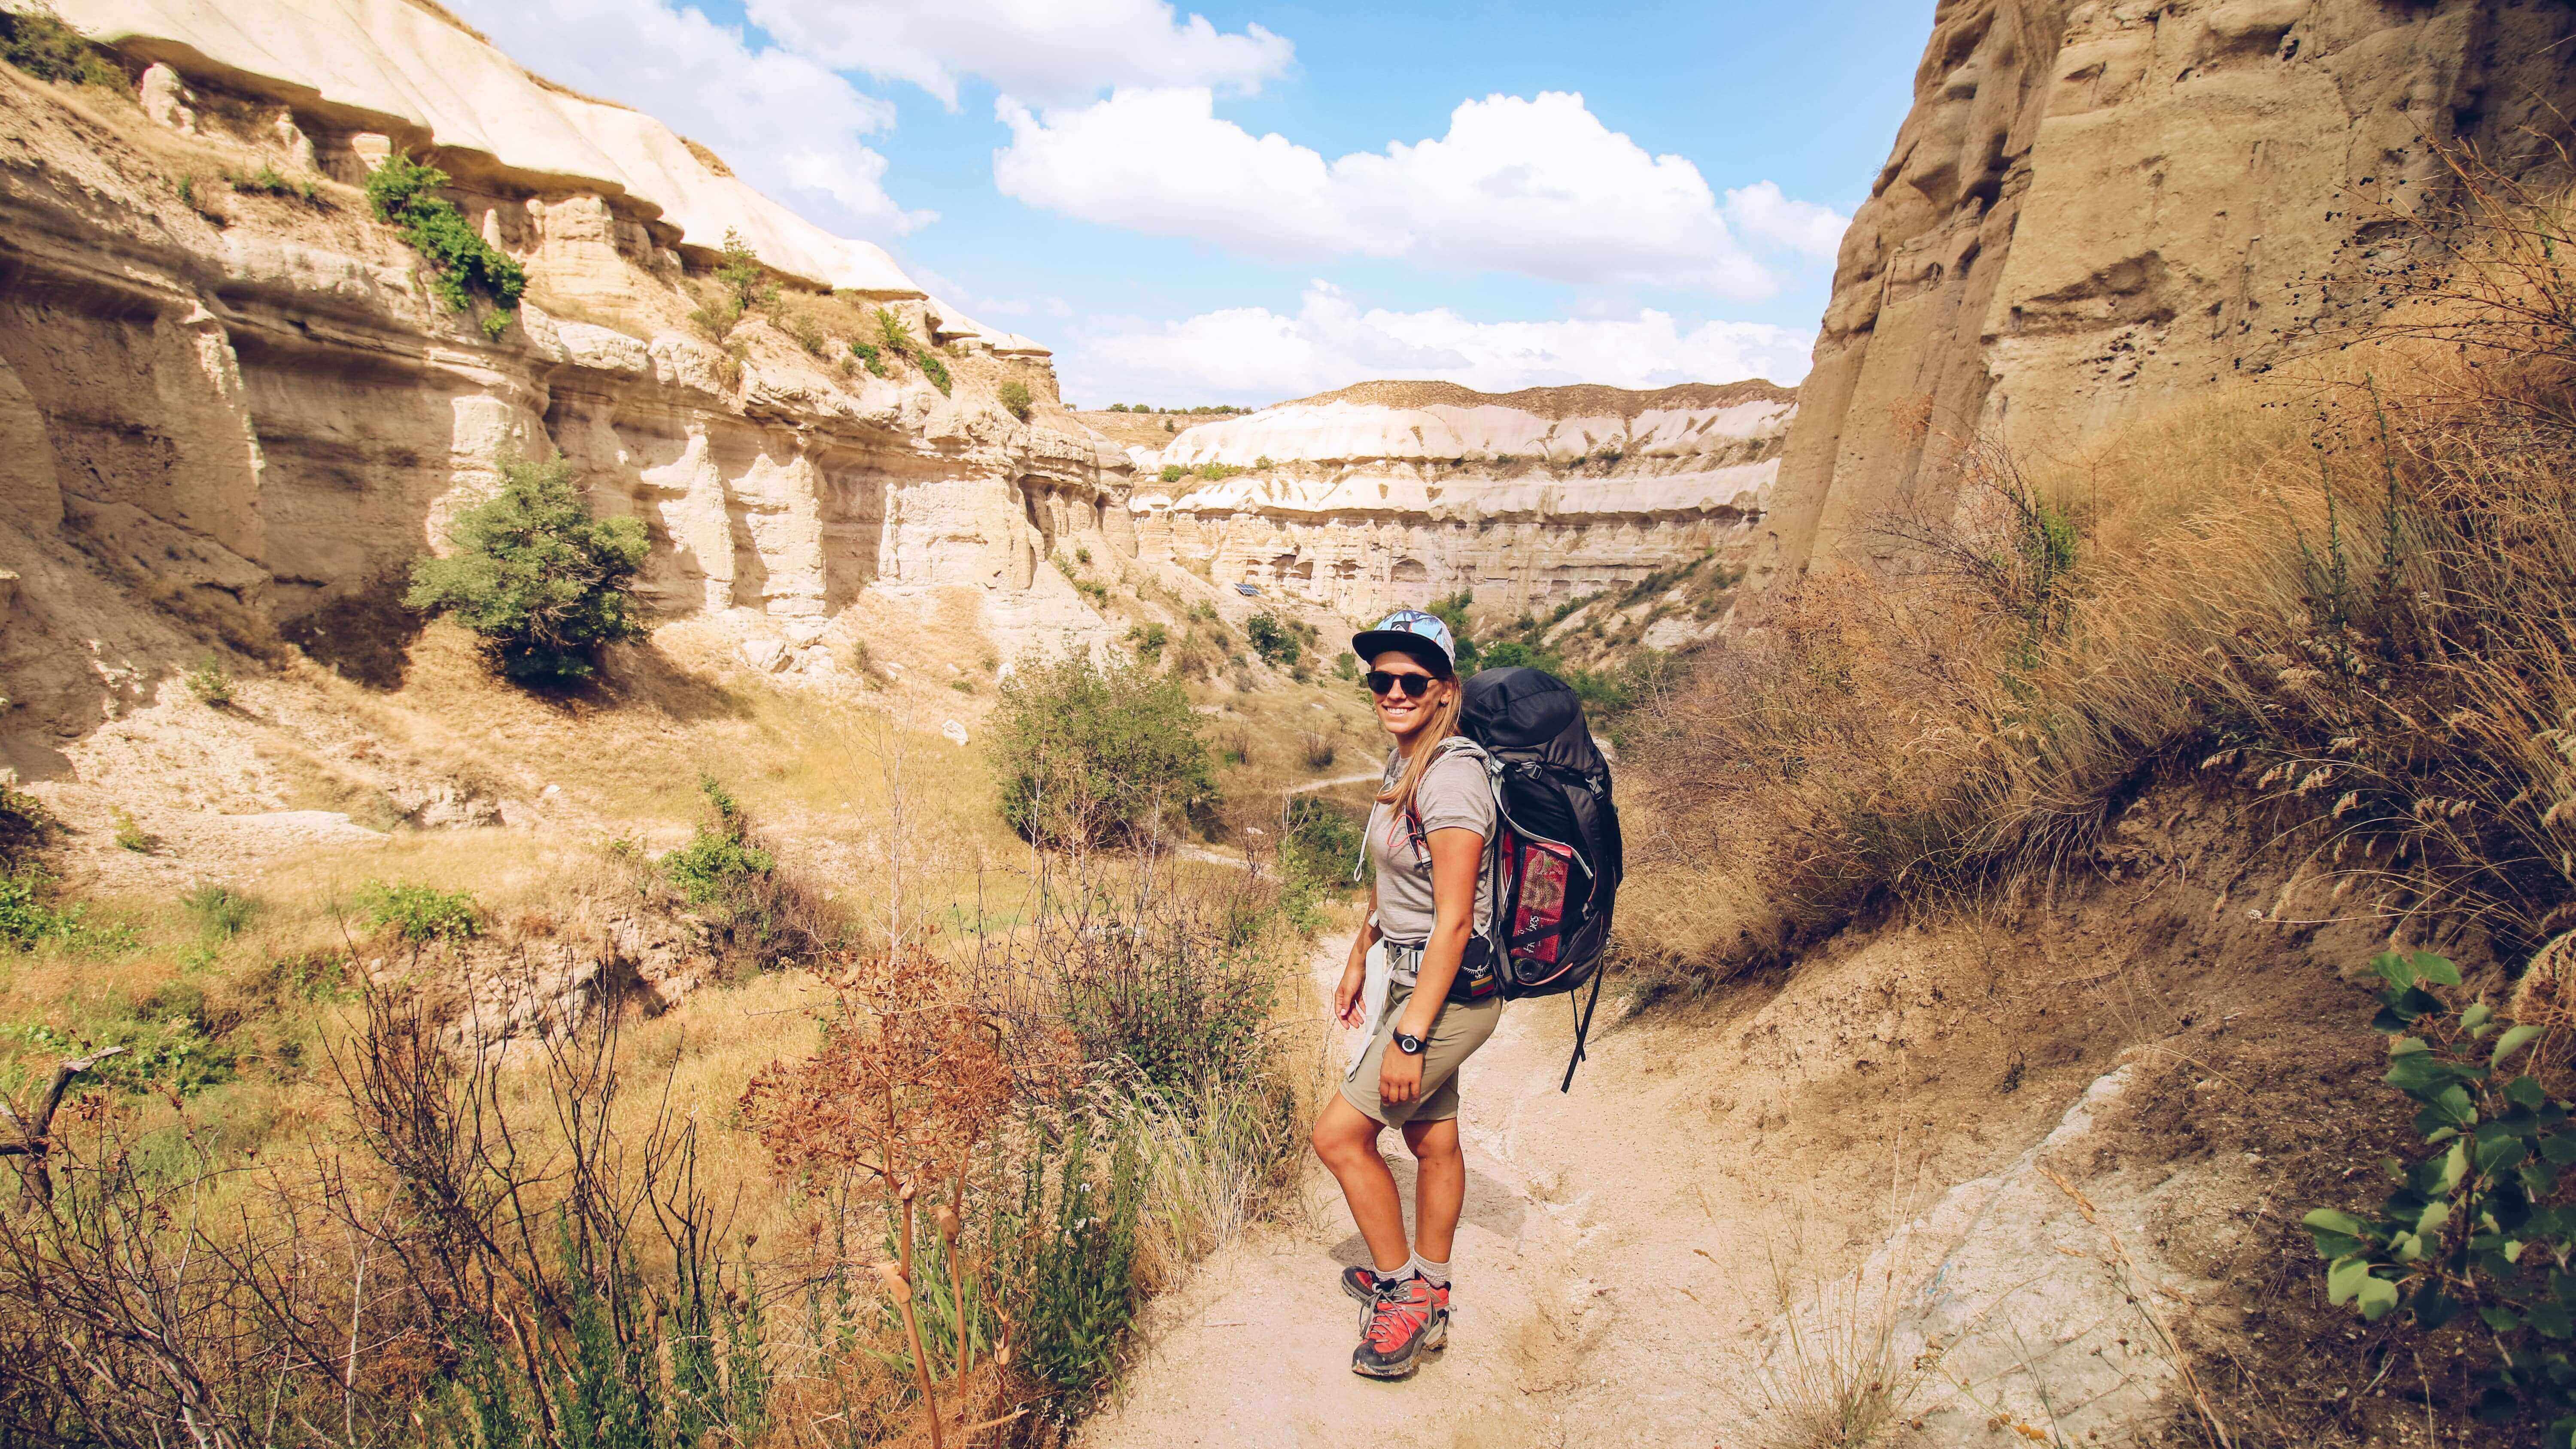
{"x": 404, "y": 194}
{"x": 1015, "y": 396}
{"x": 1274, "y": 640}
{"x": 537, "y": 576}
{"x": 1089, "y": 753}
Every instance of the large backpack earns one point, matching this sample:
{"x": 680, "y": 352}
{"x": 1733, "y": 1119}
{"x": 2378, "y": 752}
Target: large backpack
{"x": 1555, "y": 859}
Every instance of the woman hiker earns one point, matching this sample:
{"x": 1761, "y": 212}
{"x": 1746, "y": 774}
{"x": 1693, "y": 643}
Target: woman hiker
{"x": 1426, "y": 839}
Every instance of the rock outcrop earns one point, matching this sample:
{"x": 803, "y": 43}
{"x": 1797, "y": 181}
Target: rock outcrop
{"x": 1401, "y": 492}
{"x": 226, "y": 388}
{"x": 2100, "y": 206}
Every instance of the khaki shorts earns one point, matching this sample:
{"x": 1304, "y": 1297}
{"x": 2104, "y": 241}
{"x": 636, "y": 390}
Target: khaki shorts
{"x": 1455, "y": 1034}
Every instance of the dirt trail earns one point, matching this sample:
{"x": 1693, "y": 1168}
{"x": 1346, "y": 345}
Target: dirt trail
{"x": 1589, "y": 1299}
{"x": 1882, "y": 1127}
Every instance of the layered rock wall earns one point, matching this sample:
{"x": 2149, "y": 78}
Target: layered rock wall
{"x": 2098, "y": 208}
{"x": 245, "y": 404}
{"x": 1399, "y": 493}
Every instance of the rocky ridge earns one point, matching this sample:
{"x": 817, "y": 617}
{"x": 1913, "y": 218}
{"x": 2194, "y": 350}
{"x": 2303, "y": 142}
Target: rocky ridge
{"x": 1406, "y": 491}
{"x": 225, "y": 388}
{"x": 2096, "y": 209}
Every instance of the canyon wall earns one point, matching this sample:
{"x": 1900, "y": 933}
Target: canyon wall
{"x": 227, "y": 389}
{"x": 1401, "y": 492}
{"x": 2097, "y": 208}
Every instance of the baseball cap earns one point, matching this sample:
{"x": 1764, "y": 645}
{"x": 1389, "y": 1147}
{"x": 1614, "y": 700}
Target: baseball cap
{"x": 1416, "y": 633}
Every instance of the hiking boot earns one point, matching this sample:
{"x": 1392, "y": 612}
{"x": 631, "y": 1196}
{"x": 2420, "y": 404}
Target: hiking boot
{"x": 1405, "y": 1322}
{"x": 1360, "y": 1282}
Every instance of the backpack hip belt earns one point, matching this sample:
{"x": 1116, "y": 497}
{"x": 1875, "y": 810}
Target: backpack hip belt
{"x": 1475, "y": 980}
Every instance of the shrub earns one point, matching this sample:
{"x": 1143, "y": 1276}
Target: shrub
{"x": 25, "y": 823}
{"x": 29, "y": 918}
{"x": 1217, "y": 472}
{"x": 870, "y": 358}
{"x": 1174, "y": 472}
{"x": 221, "y": 911}
{"x": 2479, "y": 1221}
{"x": 1275, "y": 641}
{"x": 740, "y": 273}
{"x": 269, "y": 181}
{"x": 1317, "y": 843}
{"x": 757, "y": 910}
{"x": 130, "y": 835}
{"x": 1346, "y": 665}
{"x": 210, "y": 683}
{"x": 403, "y": 194}
{"x": 1318, "y": 750}
{"x": 1452, "y": 611}
{"x": 419, "y": 914}
{"x": 537, "y": 576}
{"x": 1092, "y": 753}
{"x": 39, "y": 43}
{"x": 1148, "y": 640}
{"x": 893, "y": 335}
{"x": 1079, "y": 1291}
{"x": 935, "y": 370}
{"x": 1014, "y": 396}
{"x": 809, "y": 336}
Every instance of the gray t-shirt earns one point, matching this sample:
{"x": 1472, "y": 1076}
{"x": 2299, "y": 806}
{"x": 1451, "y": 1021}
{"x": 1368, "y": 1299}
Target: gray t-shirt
{"x": 1453, "y": 794}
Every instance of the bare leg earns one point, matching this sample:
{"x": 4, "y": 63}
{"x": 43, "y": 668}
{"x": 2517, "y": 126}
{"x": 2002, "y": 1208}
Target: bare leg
{"x": 1439, "y": 1186}
{"x": 1346, "y": 1140}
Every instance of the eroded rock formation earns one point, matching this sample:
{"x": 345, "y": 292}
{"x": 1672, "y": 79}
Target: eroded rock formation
{"x": 1400, "y": 492}
{"x": 240, "y": 399}
{"x": 2095, "y": 208}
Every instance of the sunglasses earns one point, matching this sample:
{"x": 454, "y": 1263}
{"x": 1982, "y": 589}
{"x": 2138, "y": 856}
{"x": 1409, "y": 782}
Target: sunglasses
{"x": 1414, "y": 685}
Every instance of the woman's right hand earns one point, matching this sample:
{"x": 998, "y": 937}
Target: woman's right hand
{"x": 1346, "y": 997}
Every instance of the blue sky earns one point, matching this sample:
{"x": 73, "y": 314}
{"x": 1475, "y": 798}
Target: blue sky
{"x": 1246, "y": 202}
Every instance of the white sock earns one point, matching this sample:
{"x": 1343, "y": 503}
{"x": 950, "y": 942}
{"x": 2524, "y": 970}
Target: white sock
{"x": 1435, "y": 1274}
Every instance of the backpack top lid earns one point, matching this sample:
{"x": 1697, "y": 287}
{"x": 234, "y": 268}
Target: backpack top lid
{"x": 1517, "y": 708}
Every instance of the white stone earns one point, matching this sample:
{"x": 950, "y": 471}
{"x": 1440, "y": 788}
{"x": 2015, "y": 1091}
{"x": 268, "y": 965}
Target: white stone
{"x": 166, "y": 99}
{"x": 953, "y": 732}
{"x": 766, "y": 655}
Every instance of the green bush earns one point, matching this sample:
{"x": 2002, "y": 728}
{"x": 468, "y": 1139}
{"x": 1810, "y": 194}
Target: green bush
{"x": 1014, "y": 396}
{"x": 24, "y": 821}
{"x": 39, "y": 43}
{"x": 1174, "y": 472}
{"x": 935, "y": 370}
{"x": 741, "y": 274}
{"x": 759, "y": 913}
{"x": 2479, "y": 1220}
{"x": 269, "y": 181}
{"x": 221, "y": 911}
{"x": 30, "y": 919}
{"x": 1317, "y": 844}
{"x": 1149, "y": 640}
{"x": 1274, "y": 640}
{"x": 537, "y": 576}
{"x": 210, "y": 682}
{"x": 870, "y": 358}
{"x": 403, "y": 193}
{"x": 420, "y": 914}
{"x": 1079, "y": 1290}
{"x": 1453, "y": 612}
{"x": 1092, "y": 753}
{"x": 164, "y": 1049}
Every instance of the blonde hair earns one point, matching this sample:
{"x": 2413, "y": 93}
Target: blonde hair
{"x": 1435, "y": 732}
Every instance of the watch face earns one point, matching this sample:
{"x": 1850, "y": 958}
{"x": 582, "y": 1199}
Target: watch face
{"x": 1409, "y": 1045}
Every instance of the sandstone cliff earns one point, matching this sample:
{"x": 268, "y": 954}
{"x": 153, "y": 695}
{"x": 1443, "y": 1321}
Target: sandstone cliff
{"x": 226, "y": 388}
{"x": 1400, "y": 492}
{"x": 2095, "y": 208}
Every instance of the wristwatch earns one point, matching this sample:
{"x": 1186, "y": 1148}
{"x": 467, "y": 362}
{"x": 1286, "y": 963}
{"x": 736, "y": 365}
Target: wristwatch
{"x": 1408, "y": 1044}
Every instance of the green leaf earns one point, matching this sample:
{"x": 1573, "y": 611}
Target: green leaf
{"x": 2337, "y": 1222}
{"x": 2525, "y": 1093}
{"x": 2421, "y": 1074}
{"x": 2560, "y": 1149}
{"x": 2407, "y": 1046}
{"x": 2432, "y": 1219}
{"x": 2375, "y": 1297}
{"x": 2344, "y": 1278}
{"x": 2440, "y": 1135}
{"x": 2502, "y": 1320}
{"x": 2514, "y": 1040}
{"x": 2550, "y": 1320}
{"x": 2394, "y": 969}
{"x": 2474, "y": 1019}
{"x": 2455, "y": 1166}
{"x": 2436, "y": 969}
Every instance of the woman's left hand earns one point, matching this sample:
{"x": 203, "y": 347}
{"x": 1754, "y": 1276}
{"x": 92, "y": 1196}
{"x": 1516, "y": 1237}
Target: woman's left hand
{"x": 1399, "y": 1079}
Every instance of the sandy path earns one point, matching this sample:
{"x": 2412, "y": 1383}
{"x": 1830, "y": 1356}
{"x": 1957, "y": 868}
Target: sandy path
{"x": 1572, "y": 1278}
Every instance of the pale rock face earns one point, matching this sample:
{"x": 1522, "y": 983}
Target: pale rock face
{"x": 1399, "y": 493}
{"x": 166, "y": 100}
{"x": 259, "y": 427}
{"x": 2097, "y": 209}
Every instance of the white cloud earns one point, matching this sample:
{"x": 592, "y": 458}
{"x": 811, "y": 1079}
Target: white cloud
{"x": 1053, "y": 51}
{"x": 1540, "y": 187}
{"x": 1801, "y": 226}
{"x": 785, "y": 124}
{"x": 1255, "y": 355}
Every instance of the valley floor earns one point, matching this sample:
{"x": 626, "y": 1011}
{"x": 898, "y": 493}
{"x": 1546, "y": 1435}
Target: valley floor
{"x": 1960, "y": 1184}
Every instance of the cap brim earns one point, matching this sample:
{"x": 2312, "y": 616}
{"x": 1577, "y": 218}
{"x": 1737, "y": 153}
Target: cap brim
{"x": 1368, "y": 644}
